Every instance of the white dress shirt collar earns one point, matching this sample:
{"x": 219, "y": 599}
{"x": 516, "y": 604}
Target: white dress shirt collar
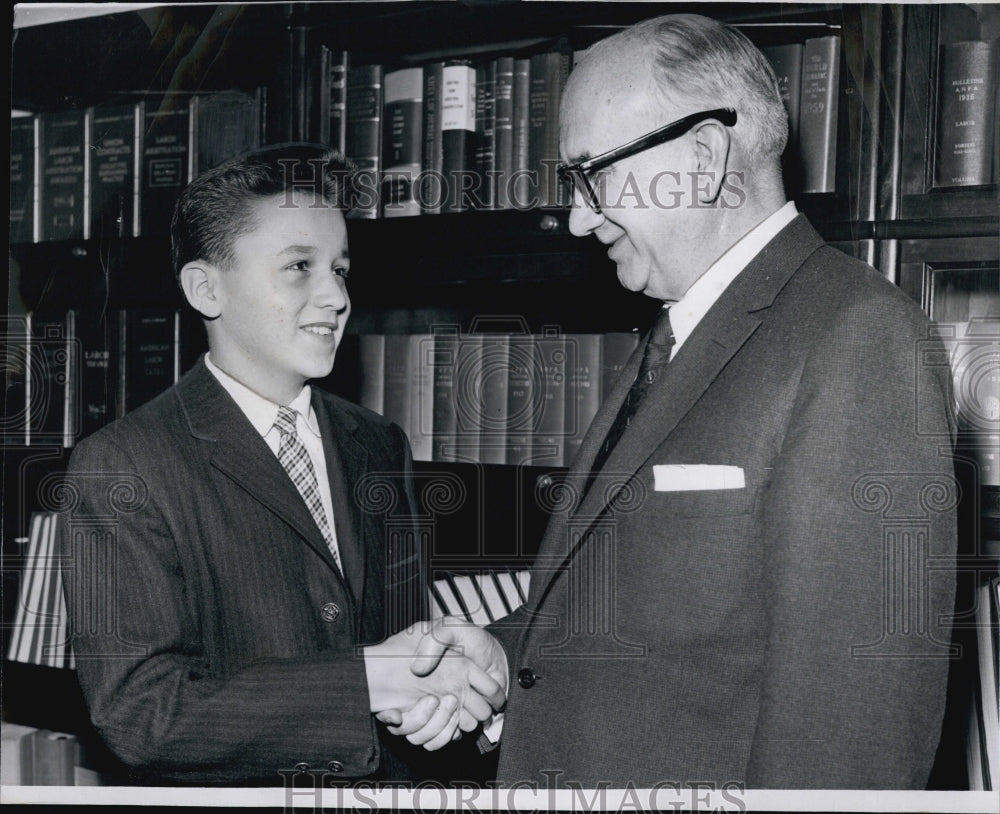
{"x": 688, "y": 311}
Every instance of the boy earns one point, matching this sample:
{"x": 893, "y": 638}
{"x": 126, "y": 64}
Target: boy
{"x": 230, "y": 552}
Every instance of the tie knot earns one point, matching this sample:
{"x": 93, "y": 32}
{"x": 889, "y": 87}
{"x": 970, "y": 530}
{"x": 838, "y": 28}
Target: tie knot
{"x": 285, "y": 420}
{"x": 662, "y": 334}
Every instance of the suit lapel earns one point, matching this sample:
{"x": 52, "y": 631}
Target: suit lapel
{"x": 239, "y": 453}
{"x": 726, "y": 327}
{"x": 346, "y": 463}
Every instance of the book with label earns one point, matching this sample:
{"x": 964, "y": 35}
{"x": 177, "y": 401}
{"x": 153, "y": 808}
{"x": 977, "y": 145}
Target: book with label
{"x": 522, "y": 397}
{"x": 339, "y": 65}
{"x": 787, "y": 63}
{"x": 818, "y": 107}
{"x": 113, "y": 201}
{"x": 363, "y": 138}
{"x": 522, "y": 185}
{"x": 495, "y": 374}
{"x": 966, "y": 144}
{"x": 51, "y": 376}
{"x": 22, "y": 179}
{"x": 151, "y": 352}
{"x": 421, "y": 422}
{"x": 402, "y": 141}
{"x": 432, "y": 189}
{"x": 583, "y": 388}
{"x": 484, "y": 160}
{"x": 97, "y": 398}
{"x": 166, "y": 161}
{"x": 468, "y": 397}
{"x": 548, "y": 77}
{"x": 458, "y": 134}
{"x": 548, "y": 445}
{"x": 225, "y": 124}
{"x": 62, "y": 177}
{"x": 503, "y": 130}
{"x": 445, "y": 417}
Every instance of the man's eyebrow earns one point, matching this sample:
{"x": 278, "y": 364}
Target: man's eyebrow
{"x": 579, "y": 158}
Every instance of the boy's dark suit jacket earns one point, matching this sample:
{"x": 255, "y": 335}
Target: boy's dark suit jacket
{"x": 216, "y": 640}
{"x": 739, "y": 635}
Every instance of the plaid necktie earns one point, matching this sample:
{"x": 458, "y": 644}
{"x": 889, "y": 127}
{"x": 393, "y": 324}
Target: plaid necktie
{"x": 657, "y": 354}
{"x": 294, "y": 457}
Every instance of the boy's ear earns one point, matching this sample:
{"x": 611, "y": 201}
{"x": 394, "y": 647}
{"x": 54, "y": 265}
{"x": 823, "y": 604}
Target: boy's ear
{"x": 198, "y": 281}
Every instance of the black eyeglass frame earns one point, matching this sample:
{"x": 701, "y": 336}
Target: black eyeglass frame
{"x": 577, "y": 173}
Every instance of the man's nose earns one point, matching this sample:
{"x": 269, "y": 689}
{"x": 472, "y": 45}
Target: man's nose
{"x": 582, "y": 218}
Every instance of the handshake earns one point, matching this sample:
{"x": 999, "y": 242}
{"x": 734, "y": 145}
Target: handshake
{"x": 435, "y": 680}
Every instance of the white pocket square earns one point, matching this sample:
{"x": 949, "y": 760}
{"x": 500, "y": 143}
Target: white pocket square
{"x": 697, "y": 477}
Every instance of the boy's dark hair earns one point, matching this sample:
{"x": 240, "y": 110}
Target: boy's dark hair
{"x": 214, "y": 209}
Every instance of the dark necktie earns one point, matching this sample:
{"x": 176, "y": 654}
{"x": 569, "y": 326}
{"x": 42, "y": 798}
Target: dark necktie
{"x": 655, "y": 356}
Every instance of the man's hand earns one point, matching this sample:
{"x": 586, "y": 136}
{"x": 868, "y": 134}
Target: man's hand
{"x": 442, "y": 690}
{"x": 449, "y": 639}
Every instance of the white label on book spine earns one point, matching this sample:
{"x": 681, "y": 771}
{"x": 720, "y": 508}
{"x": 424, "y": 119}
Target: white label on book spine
{"x": 458, "y": 102}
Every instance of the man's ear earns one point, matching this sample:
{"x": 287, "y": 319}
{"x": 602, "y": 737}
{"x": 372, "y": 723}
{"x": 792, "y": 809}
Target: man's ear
{"x": 712, "y": 143}
{"x": 199, "y": 283}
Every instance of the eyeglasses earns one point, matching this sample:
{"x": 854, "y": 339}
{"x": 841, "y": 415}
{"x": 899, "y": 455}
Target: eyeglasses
{"x": 578, "y": 173}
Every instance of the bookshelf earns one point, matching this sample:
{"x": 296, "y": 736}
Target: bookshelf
{"x": 414, "y": 273}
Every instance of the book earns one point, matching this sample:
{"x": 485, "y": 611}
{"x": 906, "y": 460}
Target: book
{"x": 495, "y": 367}
{"x": 484, "y": 159}
{"x": 522, "y": 401}
{"x": 503, "y": 130}
{"x": 151, "y": 353}
{"x": 113, "y": 200}
{"x": 966, "y": 144}
{"x": 458, "y": 133}
{"x": 166, "y": 161}
{"x": 224, "y": 124}
{"x": 617, "y": 348}
{"x": 371, "y": 353}
{"x": 62, "y": 179}
{"x": 583, "y": 388}
{"x": 402, "y": 141}
{"x": 787, "y": 63}
{"x": 53, "y": 758}
{"x": 521, "y": 184}
{"x": 51, "y": 373}
{"x": 445, "y": 418}
{"x": 421, "y": 401}
{"x": 339, "y": 65}
{"x": 397, "y": 388}
{"x": 363, "y": 137}
{"x": 16, "y": 754}
{"x": 97, "y": 398}
{"x": 818, "y": 107}
{"x": 468, "y": 398}
{"x": 548, "y": 76}
{"x": 22, "y": 179}
{"x": 548, "y": 446}
{"x": 431, "y": 184}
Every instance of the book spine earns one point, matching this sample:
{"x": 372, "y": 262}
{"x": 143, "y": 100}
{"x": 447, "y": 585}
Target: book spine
{"x": 484, "y": 194}
{"x": 364, "y": 135}
{"x": 787, "y": 63}
{"x": 15, "y": 755}
{"x": 432, "y": 188}
{"x": 966, "y": 144}
{"x": 96, "y": 336}
{"x": 458, "y": 131}
{"x": 111, "y": 201}
{"x": 495, "y": 368}
{"x": 62, "y": 180}
{"x": 445, "y": 420}
{"x": 51, "y": 375}
{"x": 503, "y": 130}
{"x": 54, "y": 758}
{"x": 583, "y": 388}
{"x": 226, "y": 123}
{"x": 548, "y": 76}
{"x": 421, "y": 376}
{"x": 339, "y": 64}
{"x": 818, "y": 109}
{"x": 549, "y": 443}
{"x": 522, "y": 401}
{"x": 396, "y": 389}
{"x": 22, "y": 179}
{"x": 402, "y": 140}
{"x": 166, "y": 161}
{"x": 151, "y": 355}
{"x": 522, "y": 185}
{"x": 468, "y": 397}
{"x": 371, "y": 350}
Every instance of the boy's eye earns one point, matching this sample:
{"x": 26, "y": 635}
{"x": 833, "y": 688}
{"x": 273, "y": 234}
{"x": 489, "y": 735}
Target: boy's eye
{"x": 301, "y": 265}
{"x": 342, "y": 272}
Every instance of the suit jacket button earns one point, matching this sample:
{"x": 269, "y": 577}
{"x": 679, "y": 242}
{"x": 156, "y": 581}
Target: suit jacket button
{"x": 544, "y": 482}
{"x": 330, "y": 612}
{"x": 335, "y": 766}
{"x": 526, "y": 678}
